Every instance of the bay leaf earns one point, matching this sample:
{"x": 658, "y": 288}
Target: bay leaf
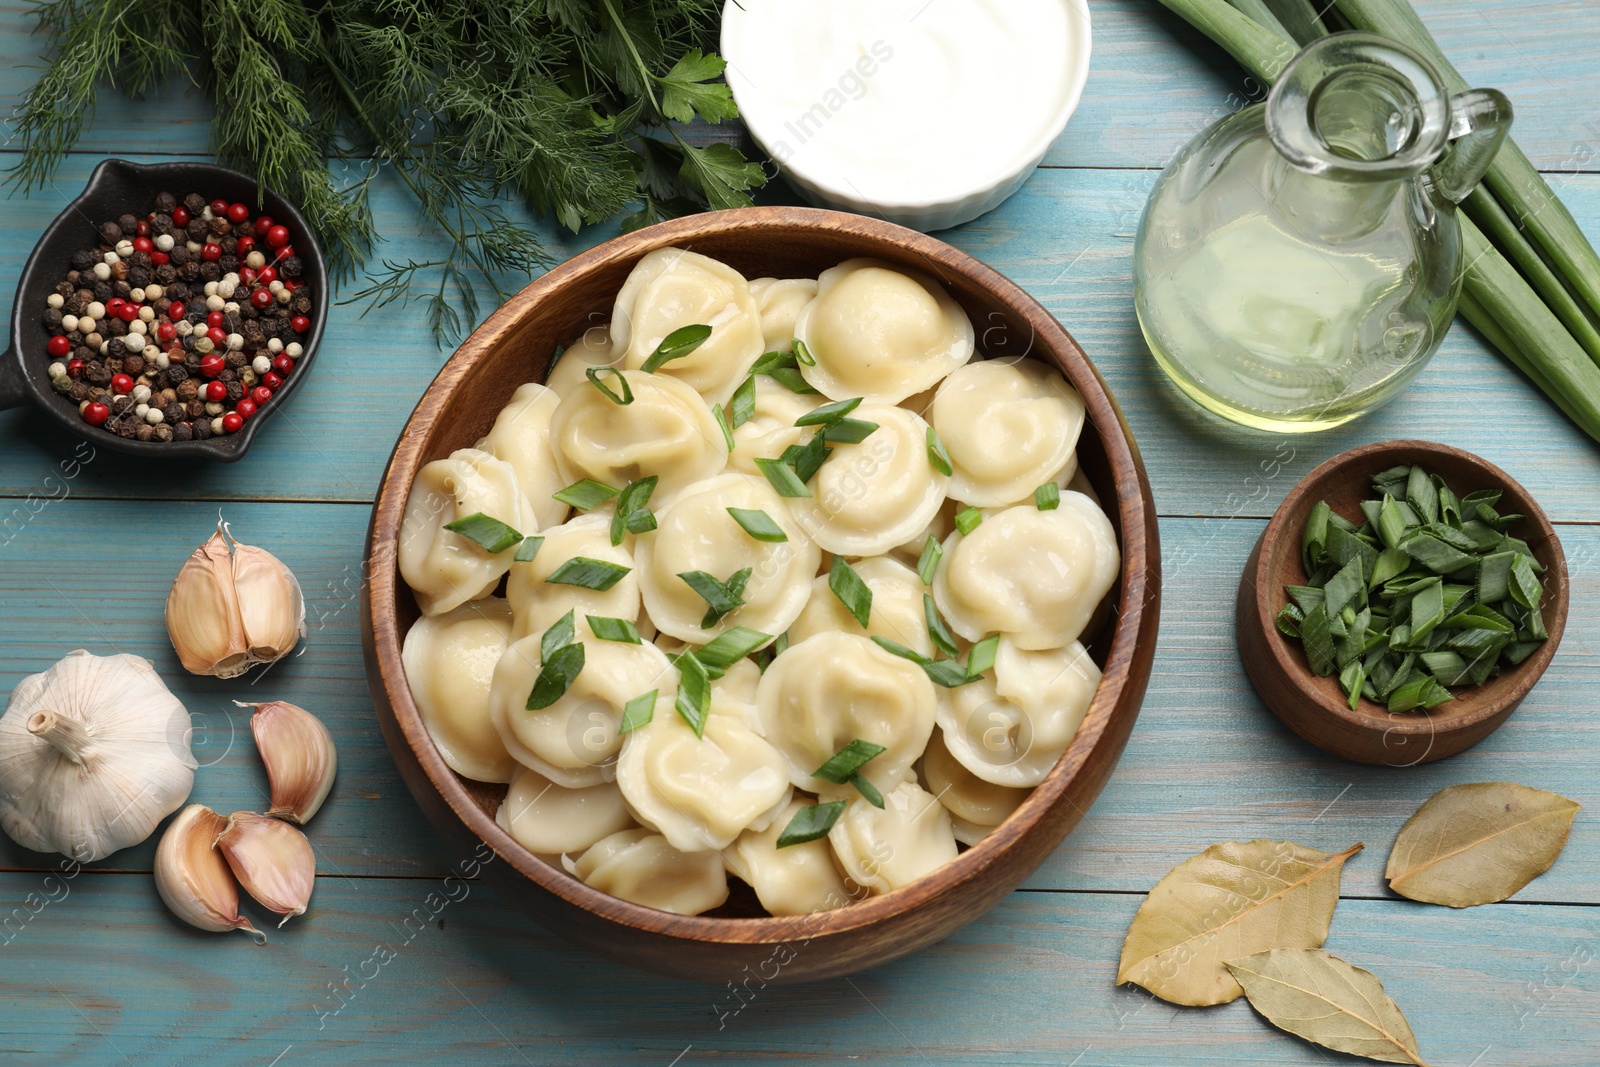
{"x": 1325, "y": 1000}
{"x": 1478, "y": 843}
{"x": 1230, "y": 901}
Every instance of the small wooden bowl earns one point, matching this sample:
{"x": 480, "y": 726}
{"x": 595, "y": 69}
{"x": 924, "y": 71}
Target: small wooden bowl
{"x": 514, "y": 346}
{"x": 1316, "y": 708}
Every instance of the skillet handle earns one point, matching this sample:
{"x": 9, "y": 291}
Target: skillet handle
{"x": 12, "y": 392}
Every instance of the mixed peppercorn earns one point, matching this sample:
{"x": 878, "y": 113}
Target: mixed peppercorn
{"x": 180, "y": 325}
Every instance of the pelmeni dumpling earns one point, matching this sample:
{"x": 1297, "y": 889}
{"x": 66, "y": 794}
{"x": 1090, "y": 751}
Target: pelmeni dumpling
{"x": 671, "y": 288}
{"x": 702, "y": 792}
{"x": 539, "y": 603}
{"x": 771, "y": 429}
{"x": 976, "y": 807}
{"x": 574, "y": 741}
{"x": 1010, "y": 425}
{"x": 795, "y": 880}
{"x": 780, "y": 301}
{"x": 639, "y": 866}
{"x": 449, "y": 661}
{"x": 938, "y": 528}
{"x": 897, "y": 612}
{"x": 446, "y": 569}
{"x": 593, "y": 349}
{"x": 696, "y": 533}
{"x": 834, "y": 688}
{"x": 1034, "y": 575}
{"x": 521, "y": 437}
{"x": 1012, "y": 725}
{"x": 882, "y": 333}
{"x": 551, "y": 819}
{"x": 869, "y": 497}
{"x": 668, "y": 431}
{"x": 889, "y": 847}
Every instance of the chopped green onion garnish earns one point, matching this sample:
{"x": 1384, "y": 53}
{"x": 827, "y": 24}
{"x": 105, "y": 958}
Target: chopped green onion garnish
{"x": 782, "y": 478}
{"x": 968, "y": 520}
{"x": 586, "y": 494}
{"x": 943, "y": 639}
{"x": 768, "y": 362}
{"x": 555, "y": 676}
{"x": 758, "y": 524}
{"x": 1047, "y": 497}
{"x": 743, "y": 406}
{"x": 608, "y": 629}
{"x": 895, "y": 648}
{"x": 811, "y": 824}
{"x": 642, "y": 521}
{"x": 491, "y": 535}
{"x": 928, "y": 562}
{"x": 947, "y": 673}
{"x": 849, "y": 431}
{"x": 810, "y": 459}
{"x": 638, "y": 711}
{"x": 557, "y": 637}
{"x": 803, "y": 355}
{"x": 594, "y": 373}
{"x": 631, "y": 501}
{"x": 829, "y": 413}
{"x": 676, "y": 345}
{"x": 868, "y": 791}
{"x": 731, "y": 646}
{"x": 938, "y": 458}
{"x": 586, "y": 573}
{"x": 981, "y": 658}
{"x": 722, "y": 424}
{"x": 720, "y": 597}
{"x": 854, "y": 593}
{"x": 847, "y": 761}
{"x": 694, "y": 692}
{"x": 792, "y": 380}
{"x": 528, "y": 549}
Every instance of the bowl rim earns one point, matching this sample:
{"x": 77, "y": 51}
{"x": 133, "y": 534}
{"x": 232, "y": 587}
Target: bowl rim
{"x": 1289, "y": 660}
{"x": 1135, "y": 620}
{"x": 1077, "y": 52}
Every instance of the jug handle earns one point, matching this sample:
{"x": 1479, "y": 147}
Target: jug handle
{"x": 1479, "y": 121}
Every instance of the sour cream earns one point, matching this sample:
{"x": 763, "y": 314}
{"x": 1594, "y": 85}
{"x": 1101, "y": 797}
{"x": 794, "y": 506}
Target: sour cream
{"x": 906, "y": 104}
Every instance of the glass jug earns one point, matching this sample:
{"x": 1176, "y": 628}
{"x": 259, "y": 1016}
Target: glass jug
{"x": 1299, "y": 262}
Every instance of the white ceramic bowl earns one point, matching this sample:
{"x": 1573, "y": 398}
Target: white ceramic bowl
{"x": 1014, "y": 159}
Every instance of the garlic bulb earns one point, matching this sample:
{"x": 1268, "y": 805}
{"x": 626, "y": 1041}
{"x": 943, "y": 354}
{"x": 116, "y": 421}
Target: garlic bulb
{"x": 233, "y": 606}
{"x": 193, "y": 878}
{"x": 272, "y": 860}
{"x": 299, "y": 755}
{"x": 94, "y": 753}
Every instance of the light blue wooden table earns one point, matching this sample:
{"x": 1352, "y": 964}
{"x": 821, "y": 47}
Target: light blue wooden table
{"x": 94, "y": 971}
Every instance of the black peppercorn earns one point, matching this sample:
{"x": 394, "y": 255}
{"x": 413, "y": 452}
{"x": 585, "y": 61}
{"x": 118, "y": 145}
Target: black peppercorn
{"x": 121, "y": 288}
{"x": 197, "y": 229}
{"x": 118, "y": 347}
{"x": 229, "y": 263}
{"x": 139, "y": 277}
{"x": 79, "y": 391}
{"x": 175, "y": 374}
{"x": 290, "y": 267}
{"x": 110, "y": 232}
{"x": 165, "y": 202}
{"x": 117, "y": 327}
{"x": 52, "y": 318}
{"x": 83, "y": 352}
{"x": 159, "y": 401}
{"x": 129, "y": 224}
{"x": 188, "y": 388}
{"x": 195, "y": 203}
{"x": 237, "y": 360}
{"x": 97, "y": 373}
{"x": 145, "y": 432}
{"x": 73, "y": 305}
{"x": 83, "y": 259}
{"x": 228, "y": 374}
{"x": 300, "y": 303}
{"x": 133, "y": 364}
{"x": 64, "y": 289}
{"x": 209, "y": 271}
{"x": 191, "y": 271}
{"x": 164, "y": 433}
{"x": 121, "y": 404}
{"x": 102, "y": 291}
{"x": 202, "y": 429}
{"x": 114, "y": 365}
{"x": 194, "y": 408}
{"x": 235, "y": 392}
{"x": 166, "y": 274}
{"x": 179, "y": 255}
{"x": 161, "y": 224}
{"x": 219, "y": 227}
{"x": 183, "y": 432}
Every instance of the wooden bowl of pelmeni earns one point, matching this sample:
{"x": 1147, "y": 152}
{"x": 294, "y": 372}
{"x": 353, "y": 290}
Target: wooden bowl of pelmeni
{"x": 771, "y": 588}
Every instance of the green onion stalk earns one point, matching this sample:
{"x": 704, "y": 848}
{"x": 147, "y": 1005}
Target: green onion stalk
{"x": 1532, "y": 285}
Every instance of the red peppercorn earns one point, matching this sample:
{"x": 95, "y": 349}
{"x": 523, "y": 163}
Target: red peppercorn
{"x": 214, "y": 319}
{"x": 143, "y": 244}
{"x": 260, "y": 394}
{"x": 128, "y": 312}
{"x": 292, "y": 284}
{"x": 166, "y": 331}
{"x": 180, "y": 216}
{"x": 219, "y": 209}
{"x": 175, "y": 310}
{"x": 278, "y": 236}
{"x": 272, "y": 381}
{"x": 58, "y": 346}
{"x": 143, "y": 229}
{"x": 238, "y": 213}
{"x": 246, "y": 408}
{"x": 247, "y": 275}
{"x": 285, "y": 252}
{"x": 96, "y": 414}
{"x": 159, "y": 257}
{"x": 216, "y": 392}
{"x": 75, "y": 368}
{"x": 121, "y": 384}
{"x": 114, "y": 305}
{"x": 283, "y": 365}
{"x": 245, "y": 246}
{"x": 267, "y": 275}
{"x": 212, "y": 364}
{"x": 262, "y": 299}
{"x": 231, "y": 422}
{"x": 210, "y": 252}
{"x": 299, "y": 324}
{"x": 263, "y": 224}
{"x": 218, "y": 335}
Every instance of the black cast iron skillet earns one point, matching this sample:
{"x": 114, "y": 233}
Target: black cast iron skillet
{"x": 117, "y": 187}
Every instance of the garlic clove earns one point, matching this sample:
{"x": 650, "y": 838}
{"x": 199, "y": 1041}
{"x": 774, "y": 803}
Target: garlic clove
{"x": 193, "y": 877}
{"x": 271, "y": 606}
{"x": 203, "y": 616}
{"x": 299, "y": 755}
{"x": 272, "y": 860}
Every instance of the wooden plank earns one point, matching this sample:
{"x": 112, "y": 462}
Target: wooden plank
{"x": 1153, "y": 83}
{"x": 1063, "y": 238}
{"x": 1206, "y": 762}
{"x": 104, "y": 975}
